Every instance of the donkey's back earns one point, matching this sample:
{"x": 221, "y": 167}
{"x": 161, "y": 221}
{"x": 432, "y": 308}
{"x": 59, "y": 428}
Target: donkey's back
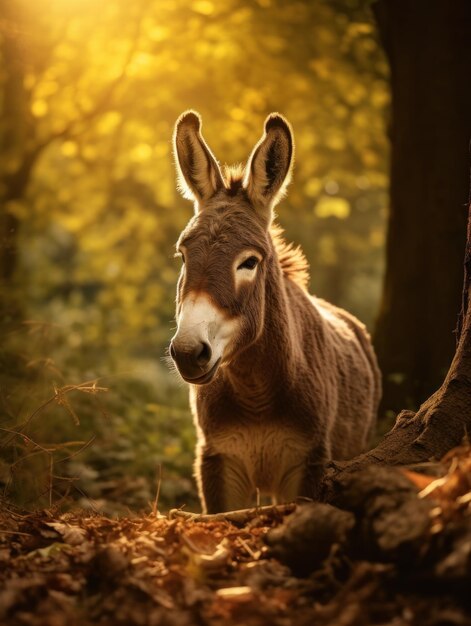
{"x": 352, "y": 378}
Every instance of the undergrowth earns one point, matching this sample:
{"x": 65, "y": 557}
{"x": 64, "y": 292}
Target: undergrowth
{"x": 73, "y": 435}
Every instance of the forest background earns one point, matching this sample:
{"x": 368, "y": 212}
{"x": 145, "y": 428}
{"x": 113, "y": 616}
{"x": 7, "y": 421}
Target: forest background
{"x": 90, "y": 214}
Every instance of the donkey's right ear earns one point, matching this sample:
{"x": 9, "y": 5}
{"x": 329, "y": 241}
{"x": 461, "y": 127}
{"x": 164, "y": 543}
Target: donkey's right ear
{"x": 198, "y": 172}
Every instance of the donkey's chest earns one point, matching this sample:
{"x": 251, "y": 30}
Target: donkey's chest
{"x": 267, "y": 453}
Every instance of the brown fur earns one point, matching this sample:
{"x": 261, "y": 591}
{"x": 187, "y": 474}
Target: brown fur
{"x": 299, "y": 383}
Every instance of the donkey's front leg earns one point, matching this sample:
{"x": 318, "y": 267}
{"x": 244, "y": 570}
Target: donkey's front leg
{"x": 303, "y": 478}
{"x": 223, "y": 482}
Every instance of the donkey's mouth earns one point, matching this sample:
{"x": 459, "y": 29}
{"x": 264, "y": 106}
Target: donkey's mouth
{"x": 205, "y": 378}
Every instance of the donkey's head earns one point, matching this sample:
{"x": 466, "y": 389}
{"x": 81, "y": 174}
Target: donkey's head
{"x": 226, "y": 247}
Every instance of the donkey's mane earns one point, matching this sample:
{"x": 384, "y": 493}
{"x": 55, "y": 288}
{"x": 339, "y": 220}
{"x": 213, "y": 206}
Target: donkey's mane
{"x": 292, "y": 260}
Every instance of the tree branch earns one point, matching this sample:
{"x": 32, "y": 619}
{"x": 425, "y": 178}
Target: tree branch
{"x": 104, "y": 100}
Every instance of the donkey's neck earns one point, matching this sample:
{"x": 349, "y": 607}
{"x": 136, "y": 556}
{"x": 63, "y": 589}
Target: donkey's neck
{"x": 269, "y": 364}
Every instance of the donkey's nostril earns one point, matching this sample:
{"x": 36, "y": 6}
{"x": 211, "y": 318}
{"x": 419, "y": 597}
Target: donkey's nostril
{"x": 203, "y": 355}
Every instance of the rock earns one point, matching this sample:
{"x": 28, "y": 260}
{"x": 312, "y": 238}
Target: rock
{"x": 307, "y": 536}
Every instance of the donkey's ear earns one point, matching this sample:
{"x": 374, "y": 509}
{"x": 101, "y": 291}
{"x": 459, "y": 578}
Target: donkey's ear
{"x": 268, "y": 170}
{"x": 198, "y": 172}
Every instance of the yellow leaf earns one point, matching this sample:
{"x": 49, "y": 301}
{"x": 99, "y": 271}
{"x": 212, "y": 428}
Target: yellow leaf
{"x": 141, "y": 152}
{"x": 332, "y": 207}
{"x": 204, "y": 7}
{"x": 39, "y": 108}
{"x": 69, "y": 148}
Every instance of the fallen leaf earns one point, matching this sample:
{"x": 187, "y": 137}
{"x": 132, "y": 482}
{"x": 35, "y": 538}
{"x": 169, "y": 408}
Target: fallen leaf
{"x": 73, "y": 535}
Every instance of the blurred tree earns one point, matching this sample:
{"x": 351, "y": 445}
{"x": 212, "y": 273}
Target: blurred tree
{"x": 28, "y": 75}
{"x": 93, "y": 106}
{"x": 88, "y": 101}
{"x": 428, "y": 47}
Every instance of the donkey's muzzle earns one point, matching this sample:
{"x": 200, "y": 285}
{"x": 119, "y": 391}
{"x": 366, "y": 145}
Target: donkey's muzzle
{"x": 192, "y": 361}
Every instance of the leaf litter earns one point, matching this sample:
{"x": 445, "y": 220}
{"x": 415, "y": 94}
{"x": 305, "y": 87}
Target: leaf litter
{"x": 395, "y": 549}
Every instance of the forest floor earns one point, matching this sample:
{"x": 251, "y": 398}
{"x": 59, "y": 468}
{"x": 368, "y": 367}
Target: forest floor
{"x": 396, "y": 549}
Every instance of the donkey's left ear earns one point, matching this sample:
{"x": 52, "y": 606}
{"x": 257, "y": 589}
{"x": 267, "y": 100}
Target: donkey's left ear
{"x": 268, "y": 169}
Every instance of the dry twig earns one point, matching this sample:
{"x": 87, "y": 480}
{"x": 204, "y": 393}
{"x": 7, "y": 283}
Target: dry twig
{"x": 241, "y": 517}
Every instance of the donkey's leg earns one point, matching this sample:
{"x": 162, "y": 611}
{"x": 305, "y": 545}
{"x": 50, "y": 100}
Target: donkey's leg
{"x": 290, "y": 484}
{"x": 314, "y": 465}
{"x": 238, "y": 488}
{"x": 208, "y": 473}
{"x": 223, "y": 483}
{"x": 302, "y": 478}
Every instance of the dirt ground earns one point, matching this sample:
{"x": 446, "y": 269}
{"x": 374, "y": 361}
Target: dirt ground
{"x": 395, "y": 549}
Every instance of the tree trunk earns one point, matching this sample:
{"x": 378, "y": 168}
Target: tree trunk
{"x": 16, "y": 135}
{"x": 428, "y": 46}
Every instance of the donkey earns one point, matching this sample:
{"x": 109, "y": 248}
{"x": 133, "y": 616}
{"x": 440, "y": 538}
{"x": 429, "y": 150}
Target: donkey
{"x": 280, "y": 381}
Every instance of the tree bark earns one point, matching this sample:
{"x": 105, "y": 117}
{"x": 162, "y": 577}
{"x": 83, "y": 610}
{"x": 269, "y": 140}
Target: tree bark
{"x": 427, "y": 43}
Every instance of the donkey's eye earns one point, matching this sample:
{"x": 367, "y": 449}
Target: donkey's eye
{"x": 249, "y": 264}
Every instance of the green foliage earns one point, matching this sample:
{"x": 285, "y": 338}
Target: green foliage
{"x": 107, "y": 441}
{"x": 89, "y": 98}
